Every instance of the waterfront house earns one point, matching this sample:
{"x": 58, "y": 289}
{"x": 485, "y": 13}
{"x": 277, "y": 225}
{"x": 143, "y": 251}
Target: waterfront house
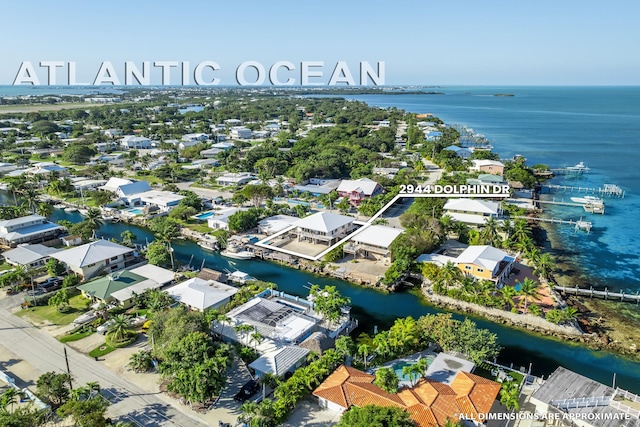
{"x": 31, "y": 256}
{"x": 127, "y": 190}
{"x": 323, "y": 228}
{"x": 113, "y": 133}
{"x": 220, "y": 218}
{"x": 358, "y": 190}
{"x": 29, "y": 229}
{"x": 197, "y": 137}
{"x": 386, "y": 172}
{"x": 585, "y": 402}
{"x": 234, "y": 178}
{"x": 486, "y": 179}
{"x": 373, "y": 242}
{"x": 486, "y": 263}
{"x": 163, "y": 200}
{"x": 274, "y": 224}
{"x": 429, "y": 403}
{"x": 44, "y": 169}
{"x": 201, "y": 295}
{"x": 95, "y": 258}
{"x": 463, "y": 153}
{"x": 472, "y": 211}
{"x": 489, "y": 166}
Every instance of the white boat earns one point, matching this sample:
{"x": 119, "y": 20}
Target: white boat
{"x": 71, "y": 209}
{"x": 83, "y": 211}
{"x": 241, "y": 254}
{"x": 580, "y": 167}
{"x": 60, "y": 206}
{"x": 108, "y": 217}
{"x": 208, "y": 245}
{"x": 588, "y": 199}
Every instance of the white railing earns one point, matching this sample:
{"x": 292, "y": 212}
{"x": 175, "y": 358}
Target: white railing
{"x": 624, "y": 408}
{"x": 582, "y": 402}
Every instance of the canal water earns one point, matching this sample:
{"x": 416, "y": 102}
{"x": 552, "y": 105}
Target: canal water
{"x": 374, "y": 308}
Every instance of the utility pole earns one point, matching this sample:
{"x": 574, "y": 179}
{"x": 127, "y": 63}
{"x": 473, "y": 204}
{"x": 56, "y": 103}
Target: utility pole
{"x": 66, "y": 359}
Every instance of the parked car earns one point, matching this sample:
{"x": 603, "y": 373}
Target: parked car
{"x": 247, "y": 390}
{"x": 104, "y": 328}
{"x": 51, "y": 284}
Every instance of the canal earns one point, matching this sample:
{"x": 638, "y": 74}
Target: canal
{"x": 375, "y": 308}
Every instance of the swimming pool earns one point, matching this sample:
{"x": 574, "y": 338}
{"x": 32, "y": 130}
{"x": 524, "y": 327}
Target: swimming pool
{"x": 205, "y": 215}
{"x": 397, "y": 367}
{"x": 135, "y": 211}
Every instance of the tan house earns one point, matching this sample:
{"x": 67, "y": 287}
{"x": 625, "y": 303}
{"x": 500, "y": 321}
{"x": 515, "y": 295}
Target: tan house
{"x": 95, "y": 258}
{"x": 488, "y": 166}
{"x": 485, "y": 263}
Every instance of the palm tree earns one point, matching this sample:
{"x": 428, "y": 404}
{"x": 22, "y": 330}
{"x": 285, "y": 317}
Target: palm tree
{"x": 546, "y": 263}
{"x": 529, "y": 291}
{"x": 8, "y": 398}
{"x": 381, "y": 343}
{"x": 449, "y": 275}
{"x": 30, "y": 197}
{"x": 570, "y": 313}
{"x": 94, "y": 217}
{"x": 256, "y": 338}
{"x": 120, "y": 327}
{"x": 421, "y": 366}
{"x": 44, "y": 209}
{"x": 363, "y": 350}
{"x": 243, "y": 329}
{"x": 412, "y": 371}
{"x": 508, "y": 292}
{"x": 490, "y": 231}
{"x": 510, "y": 395}
{"x": 128, "y": 237}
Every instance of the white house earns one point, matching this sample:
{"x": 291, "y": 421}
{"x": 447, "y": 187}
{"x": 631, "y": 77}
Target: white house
{"x": 240, "y": 132}
{"x": 197, "y": 137}
{"x": 373, "y": 242}
{"x": 323, "y": 227}
{"x": 95, "y": 258}
{"x": 135, "y": 142}
{"x": 461, "y": 152}
{"x": 45, "y": 168}
{"x": 127, "y": 190}
{"x": 26, "y": 255}
{"x": 28, "y": 229}
{"x": 280, "y": 361}
{"x": 163, "y": 200}
{"x": 472, "y": 211}
{"x": 201, "y": 295}
{"x": 276, "y": 223}
{"x": 220, "y": 221}
{"x": 235, "y": 178}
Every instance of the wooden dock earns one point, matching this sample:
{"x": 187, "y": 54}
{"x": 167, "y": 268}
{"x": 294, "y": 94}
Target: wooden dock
{"x": 613, "y": 296}
{"x": 591, "y": 208}
{"x": 608, "y": 190}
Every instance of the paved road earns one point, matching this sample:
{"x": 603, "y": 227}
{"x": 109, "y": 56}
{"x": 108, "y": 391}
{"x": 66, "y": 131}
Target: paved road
{"x": 45, "y": 353}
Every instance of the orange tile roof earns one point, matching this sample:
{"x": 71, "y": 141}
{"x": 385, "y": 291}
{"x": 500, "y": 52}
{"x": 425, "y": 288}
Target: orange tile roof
{"x": 430, "y": 403}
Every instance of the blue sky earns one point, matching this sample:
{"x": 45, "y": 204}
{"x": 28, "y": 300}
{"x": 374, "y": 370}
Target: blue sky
{"x": 488, "y": 42}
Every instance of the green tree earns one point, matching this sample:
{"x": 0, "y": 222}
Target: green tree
{"x": 510, "y": 395}
{"x": 158, "y": 254}
{"x": 94, "y": 217}
{"x": 100, "y": 197}
{"x": 387, "y": 380}
{"x": 60, "y": 300}
{"x": 343, "y": 205}
{"x": 128, "y": 237}
{"x": 328, "y": 302}
{"x": 120, "y": 328}
{"x": 376, "y": 416}
{"x": 54, "y": 267}
{"x": 244, "y": 220}
{"x": 529, "y": 291}
{"x": 44, "y": 209}
{"x": 141, "y": 361}
{"x": 78, "y": 154}
{"x": 53, "y": 388}
{"x": 86, "y": 409}
{"x": 257, "y": 193}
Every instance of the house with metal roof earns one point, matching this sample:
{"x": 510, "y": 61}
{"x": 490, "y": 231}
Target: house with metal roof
{"x": 26, "y": 255}
{"x": 373, "y": 242}
{"x": 95, "y": 258}
{"x": 201, "y": 295}
{"x": 429, "y": 403}
{"x": 323, "y": 228}
{"x": 472, "y": 211}
{"x": 28, "y": 229}
{"x": 358, "y": 190}
{"x": 280, "y": 362}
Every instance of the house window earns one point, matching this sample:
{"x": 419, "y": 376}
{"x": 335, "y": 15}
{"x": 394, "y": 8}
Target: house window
{"x": 467, "y": 267}
{"x": 480, "y": 270}
{"x": 114, "y": 258}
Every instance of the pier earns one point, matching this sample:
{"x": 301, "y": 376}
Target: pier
{"x": 588, "y": 207}
{"x": 614, "y": 296}
{"x": 579, "y": 224}
{"x": 608, "y": 190}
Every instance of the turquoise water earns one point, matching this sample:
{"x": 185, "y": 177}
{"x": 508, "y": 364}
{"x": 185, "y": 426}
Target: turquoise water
{"x": 562, "y": 126}
{"x": 397, "y": 367}
{"x": 135, "y": 211}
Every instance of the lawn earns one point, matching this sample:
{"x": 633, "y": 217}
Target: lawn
{"x": 75, "y": 337}
{"x": 101, "y": 350}
{"x": 197, "y": 226}
{"x": 78, "y": 305}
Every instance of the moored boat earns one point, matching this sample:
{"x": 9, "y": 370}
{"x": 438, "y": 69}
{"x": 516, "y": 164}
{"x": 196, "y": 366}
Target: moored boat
{"x": 588, "y": 199}
{"x": 209, "y": 245}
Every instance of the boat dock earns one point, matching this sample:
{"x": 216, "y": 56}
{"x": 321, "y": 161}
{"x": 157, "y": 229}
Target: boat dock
{"x": 608, "y": 190}
{"x": 614, "y": 296}
{"x": 588, "y": 207}
{"x": 579, "y": 224}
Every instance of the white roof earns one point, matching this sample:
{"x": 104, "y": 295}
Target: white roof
{"x": 276, "y": 223}
{"x": 377, "y": 235}
{"x": 472, "y": 205}
{"x": 325, "y": 222}
{"x": 155, "y": 273}
{"x": 26, "y": 254}
{"x": 158, "y": 197}
{"x": 479, "y": 163}
{"x": 201, "y": 294}
{"x": 114, "y": 183}
{"x": 437, "y": 259}
{"x": 485, "y": 256}
{"x": 91, "y": 253}
{"x": 365, "y": 185}
{"x": 127, "y": 293}
{"x": 468, "y": 218}
{"x": 445, "y": 367}
{"x": 280, "y": 361}
{"x": 21, "y": 220}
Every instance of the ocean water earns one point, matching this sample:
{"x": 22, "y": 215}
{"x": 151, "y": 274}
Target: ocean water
{"x": 561, "y": 126}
